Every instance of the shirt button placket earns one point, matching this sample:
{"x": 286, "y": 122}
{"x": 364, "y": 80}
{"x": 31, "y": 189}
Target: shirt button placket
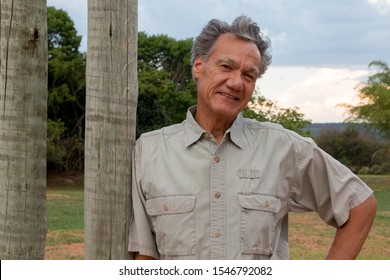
{"x": 218, "y": 205}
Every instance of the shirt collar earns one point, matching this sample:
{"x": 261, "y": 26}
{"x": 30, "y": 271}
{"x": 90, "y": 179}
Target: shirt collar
{"x": 194, "y": 132}
{"x": 236, "y": 131}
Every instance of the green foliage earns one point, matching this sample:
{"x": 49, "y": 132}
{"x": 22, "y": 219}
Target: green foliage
{"x": 62, "y": 35}
{"x": 360, "y": 153}
{"x": 263, "y": 109}
{"x": 166, "y": 88}
{"x": 55, "y": 151}
{"x": 374, "y": 106}
{"x": 63, "y": 152}
{"x": 66, "y": 93}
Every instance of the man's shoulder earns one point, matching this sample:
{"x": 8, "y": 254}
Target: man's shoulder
{"x": 272, "y": 128}
{"x": 255, "y": 124}
{"x": 162, "y": 132}
{"x": 262, "y": 126}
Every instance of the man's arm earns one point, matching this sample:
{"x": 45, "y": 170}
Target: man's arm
{"x": 350, "y": 237}
{"x": 137, "y": 256}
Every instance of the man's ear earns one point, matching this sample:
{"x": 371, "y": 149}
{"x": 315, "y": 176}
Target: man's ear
{"x": 196, "y": 68}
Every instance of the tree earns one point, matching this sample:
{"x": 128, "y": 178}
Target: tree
{"x": 166, "y": 87}
{"x": 374, "y": 105}
{"x": 263, "y": 109}
{"x": 357, "y": 151}
{"x": 66, "y": 99}
{"x": 62, "y": 35}
{"x": 23, "y": 114}
{"x": 110, "y": 126}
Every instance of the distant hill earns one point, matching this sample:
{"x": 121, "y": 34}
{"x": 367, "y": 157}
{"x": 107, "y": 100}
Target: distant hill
{"x": 364, "y": 129}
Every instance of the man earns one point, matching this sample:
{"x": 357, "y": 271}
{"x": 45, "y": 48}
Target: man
{"x": 219, "y": 186}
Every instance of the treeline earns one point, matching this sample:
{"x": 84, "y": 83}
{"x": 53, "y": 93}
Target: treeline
{"x": 361, "y": 152}
{"x": 166, "y": 90}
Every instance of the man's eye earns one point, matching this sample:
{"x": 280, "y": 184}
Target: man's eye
{"x": 225, "y": 67}
{"x": 250, "y": 78}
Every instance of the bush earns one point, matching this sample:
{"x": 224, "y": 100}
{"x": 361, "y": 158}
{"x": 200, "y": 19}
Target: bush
{"x": 63, "y": 153}
{"x": 364, "y": 170}
{"x": 376, "y": 170}
{"x": 55, "y": 151}
{"x": 360, "y": 153}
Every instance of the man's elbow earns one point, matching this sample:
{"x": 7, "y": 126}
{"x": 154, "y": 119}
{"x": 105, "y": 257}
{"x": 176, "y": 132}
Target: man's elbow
{"x": 366, "y": 210}
{"x": 371, "y": 206}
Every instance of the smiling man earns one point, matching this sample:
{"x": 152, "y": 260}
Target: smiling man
{"x": 225, "y": 82}
{"x": 219, "y": 186}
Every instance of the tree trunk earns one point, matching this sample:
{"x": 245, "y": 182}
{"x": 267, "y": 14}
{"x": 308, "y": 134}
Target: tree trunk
{"x": 23, "y": 119}
{"x": 112, "y": 90}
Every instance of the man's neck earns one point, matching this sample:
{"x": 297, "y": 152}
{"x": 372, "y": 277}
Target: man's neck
{"x": 216, "y": 125}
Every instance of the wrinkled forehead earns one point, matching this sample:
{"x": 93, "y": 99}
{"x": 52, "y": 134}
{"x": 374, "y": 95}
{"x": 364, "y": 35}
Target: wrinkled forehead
{"x": 234, "y": 49}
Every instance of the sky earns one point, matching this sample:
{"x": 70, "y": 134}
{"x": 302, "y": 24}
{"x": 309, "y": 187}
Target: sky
{"x": 320, "y": 49}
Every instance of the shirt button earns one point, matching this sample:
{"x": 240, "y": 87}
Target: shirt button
{"x": 217, "y": 195}
{"x": 218, "y": 233}
{"x": 165, "y": 207}
{"x": 207, "y": 135}
{"x": 217, "y": 159}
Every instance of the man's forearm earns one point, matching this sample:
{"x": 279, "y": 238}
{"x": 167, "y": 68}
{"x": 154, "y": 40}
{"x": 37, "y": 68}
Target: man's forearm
{"x": 137, "y": 256}
{"x": 350, "y": 237}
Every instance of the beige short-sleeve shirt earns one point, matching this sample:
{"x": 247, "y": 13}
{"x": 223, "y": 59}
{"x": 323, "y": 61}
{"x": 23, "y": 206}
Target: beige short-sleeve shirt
{"x": 194, "y": 199}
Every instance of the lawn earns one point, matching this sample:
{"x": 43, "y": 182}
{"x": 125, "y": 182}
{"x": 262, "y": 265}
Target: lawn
{"x": 65, "y": 211}
{"x": 309, "y": 238}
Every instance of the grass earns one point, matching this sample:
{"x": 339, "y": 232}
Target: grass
{"x": 65, "y": 210}
{"x": 309, "y": 237}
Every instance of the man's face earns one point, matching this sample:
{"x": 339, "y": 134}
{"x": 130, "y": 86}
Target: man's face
{"x": 225, "y": 82}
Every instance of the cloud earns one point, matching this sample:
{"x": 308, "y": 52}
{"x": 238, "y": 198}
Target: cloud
{"x": 316, "y": 91}
{"x": 382, "y": 6}
{"x": 329, "y": 33}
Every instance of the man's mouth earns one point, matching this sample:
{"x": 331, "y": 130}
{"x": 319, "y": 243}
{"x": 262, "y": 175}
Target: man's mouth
{"x": 229, "y": 96}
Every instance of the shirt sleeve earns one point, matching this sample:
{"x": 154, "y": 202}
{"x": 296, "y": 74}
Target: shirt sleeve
{"x": 141, "y": 237}
{"x": 324, "y": 185}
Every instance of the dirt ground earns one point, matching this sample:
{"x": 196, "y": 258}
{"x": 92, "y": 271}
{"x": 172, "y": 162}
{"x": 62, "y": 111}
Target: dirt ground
{"x": 74, "y": 251}
{"x": 54, "y": 178}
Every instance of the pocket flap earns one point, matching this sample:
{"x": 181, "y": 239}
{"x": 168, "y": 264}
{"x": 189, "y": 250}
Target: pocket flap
{"x": 259, "y": 202}
{"x": 166, "y": 205}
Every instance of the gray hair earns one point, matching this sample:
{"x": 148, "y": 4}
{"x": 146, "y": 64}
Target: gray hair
{"x": 243, "y": 27}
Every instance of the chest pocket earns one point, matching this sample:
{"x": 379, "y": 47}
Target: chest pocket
{"x": 174, "y": 224}
{"x": 258, "y": 223}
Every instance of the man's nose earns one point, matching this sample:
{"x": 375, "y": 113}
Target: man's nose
{"x": 235, "y": 81}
